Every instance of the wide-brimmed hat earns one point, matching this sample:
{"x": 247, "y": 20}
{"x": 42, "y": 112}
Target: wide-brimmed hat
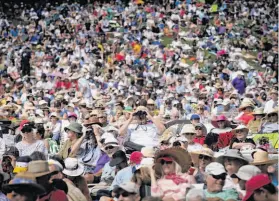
{"x": 74, "y": 126}
{"x": 215, "y": 120}
{"x": 37, "y": 169}
{"x": 204, "y": 130}
{"x": 258, "y": 111}
{"x": 73, "y": 168}
{"x": 111, "y": 141}
{"x": 232, "y": 153}
{"x": 181, "y": 156}
{"x": 261, "y": 157}
{"x": 274, "y": 111}
{"x": 205, "y": 151}
{"x": 188, "y": 128}
{"x": 24, "y": 183}
{"x": 240, "y": 127}
{"x": 246, "y": 102}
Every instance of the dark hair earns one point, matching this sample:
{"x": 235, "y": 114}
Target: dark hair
{"x": 41, "y": 130}
{"x": 59, "y": 159}
{"x": 60, "y": 184}
{"x": 37, "y": 155}
{"x": 269, "y": 187}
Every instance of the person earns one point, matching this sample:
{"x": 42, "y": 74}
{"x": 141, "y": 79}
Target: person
{"x": 244, "y": 174}
{"x": 195, "y": 195}
{"x": 272, "y": 103}
{"x": 260, "y": 188}
{"x": 215, "y": 180}
{"x": 127, "y": 191}
{"x": 239, "y": 83}
{"x": 23, "y": 189}
{"x": 73, "y": 171}
{"x": 205, "y": 156}
{"x": 200, "y": 134}
{"x": 140, "y": 133}
{"x": 4, "y": 177}
{"x": 172, "y": 166}
{"x": 271, "y": 124}
{"x": 232, "y": 160}
{"x": 74, "y": 131}
{"x": 39, "y": 172}
{"x": 189, "y": 132}
{"x": 240, "y": 141}
{"x": 29, "y": 144}
{"x": 246, "y": 111}
{"x": 254, "y": 126}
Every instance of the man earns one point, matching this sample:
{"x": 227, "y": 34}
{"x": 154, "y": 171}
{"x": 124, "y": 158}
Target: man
{"x": 273, "y": 103}
{"x": 195, "y": 119}
{"x": 139, "y": 133}
{"x": 215, "y": 175}
{"x": 127, "y": 191}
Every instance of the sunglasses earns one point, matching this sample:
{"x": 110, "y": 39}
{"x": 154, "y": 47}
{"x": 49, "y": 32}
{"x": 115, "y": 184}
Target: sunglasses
{"x": 198, "y": 129}
{"x": 189, "y": 134}
{"x": 124, "y": 194}
{"x": 239, "y": 131}
{"x": 101, "y": 117}
{"x": 204, "y": 157}
{"x": 109, "y": 147}
{"x": 220, "y": 121}
{"x": 163, "y": 162}
{"x": 272, "y": 115}
{"x": 200, "y": 108}
{"x": 220, "y": 176}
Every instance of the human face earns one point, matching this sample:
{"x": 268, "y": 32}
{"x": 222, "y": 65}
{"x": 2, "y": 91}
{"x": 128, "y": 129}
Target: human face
{"x": 195, "y": 121}
{"x": 241, "y": 134}
{"x": 17, "y": 197}
{"x": 190, "y": 137}
{"x": 27, "y": 133}
{"x": 71, "y": 135}
{"x": 260, "y": 195}
{"x": 102, "y": 119}
{"x": 204, "y": 161}
{"x": 199, "y": 132}
{"x": 231, "y": 165}
{"x": 126, "y": 196}
{"x": 200, "y": 110}
{"x": 221, "y": 124}
{"x": 53, "y": 120}
{"x": 258, "y": 117}
{"x": 274, "y": 96}
{"x": 215, "y": 183}
{"x": 110, "y": 150}
{"x": 168, "y": 167}
{"x": 273, "y": 117}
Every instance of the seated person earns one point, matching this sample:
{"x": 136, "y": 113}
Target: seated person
{"x": 240, "y": 140}
{"x": 271, "y": 125}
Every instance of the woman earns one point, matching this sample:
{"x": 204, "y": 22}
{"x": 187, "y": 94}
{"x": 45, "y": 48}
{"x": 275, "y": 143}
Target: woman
{"x": 205, "y": 157}
{"x": 223, "y": 129}
{"x": 200, "y": 133}
{"x": 240, "y": 140}
{"x": 29, "y": 144}
{"x": 255, "y": 125}
{"x": 189, "y": 132}
{"x": 246, "y": 108}
{"x": 232, "y": 160}
{"x": 172, "y": 165}
{"x": 271, "y": 124}
{"x": 74, "y": 131}
{"x": 73, "y": 171}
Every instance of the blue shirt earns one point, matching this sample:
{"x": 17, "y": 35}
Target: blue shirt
{"x": 122, "y": 176}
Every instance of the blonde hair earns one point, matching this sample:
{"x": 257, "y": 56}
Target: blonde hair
{"x": 178, "y": 169}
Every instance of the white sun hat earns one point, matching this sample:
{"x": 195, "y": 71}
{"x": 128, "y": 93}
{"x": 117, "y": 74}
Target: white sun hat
{"x": 73, "y": 168}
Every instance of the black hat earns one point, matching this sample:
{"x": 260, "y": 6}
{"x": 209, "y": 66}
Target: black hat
{"x": 117, "y": 158}
{"x": 11, "y": 151}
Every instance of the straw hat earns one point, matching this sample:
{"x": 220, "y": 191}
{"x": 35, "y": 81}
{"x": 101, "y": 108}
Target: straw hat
{"x": 73, "y": 168}
{"x": 178, "y": 154}
{"x": 247, "y": 102}
{"x": 258, "y": 111}
{"x": 240, "y": 127}
{"x": 188, "y": 128}
{"x": 36, "y": 169}
{"x": 204, "y": 151}
{"x": 261, "y": 157}
{"x": 218, "y": 86}
{"x": 275, "y": 110}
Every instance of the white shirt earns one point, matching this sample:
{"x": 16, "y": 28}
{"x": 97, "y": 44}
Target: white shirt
{"x": 194, "y": 147}
{"x": 269, "y": 106}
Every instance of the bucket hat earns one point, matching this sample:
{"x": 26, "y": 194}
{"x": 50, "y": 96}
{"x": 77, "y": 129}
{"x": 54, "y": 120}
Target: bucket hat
{"x": 148, "y": 152}
{"x": 232, "y": 153}
{"x": 74, "y": 126}
{"x": 73, "y": 168}
{"x": 258, "y": 111}
{"x": 188, "y": 128}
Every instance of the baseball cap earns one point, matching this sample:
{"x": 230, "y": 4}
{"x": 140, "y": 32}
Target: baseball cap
{"x": 136, "y": 157}
{"x": 195, "y": 116}
{"x": 129, "y": 186}
{"x": 215, "y": 168}
{"x": 117, "y": 158}
{"x": 246, "y": 172}
{"x": 255, "y": 183}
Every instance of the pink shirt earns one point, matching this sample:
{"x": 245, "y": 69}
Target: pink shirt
{"x": 168, "y": 188}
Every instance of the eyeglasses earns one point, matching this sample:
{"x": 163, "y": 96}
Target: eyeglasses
{"x": 239, "y": 131}
{"x": 189, "y": 134}
{"x": 198, "y": 128}
{"x": 204, "y": 157}
{"x": 220, "y": 176}
{"x": 124, "y": 194}
{"x": 109, "y": 147}
{"x": 163, "y": 162}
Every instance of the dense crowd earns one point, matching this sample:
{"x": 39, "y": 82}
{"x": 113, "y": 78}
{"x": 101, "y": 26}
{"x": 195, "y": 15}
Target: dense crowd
{"x": 172, "y": 100}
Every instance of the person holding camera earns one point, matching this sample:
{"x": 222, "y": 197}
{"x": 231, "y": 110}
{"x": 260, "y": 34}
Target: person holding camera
{"x": 29, "y": 144}
{"x": 141, "y": 130}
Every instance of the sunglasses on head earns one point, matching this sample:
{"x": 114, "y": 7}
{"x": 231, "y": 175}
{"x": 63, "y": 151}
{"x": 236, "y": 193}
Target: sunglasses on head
{"x": 163, "y": 162}
{"x": 220, "y": 176}
{"x": 109, "y": 147}
{"x": 189, "y": 134}
{"x": 204, "y": 157}
{"x": 124, "y": 194}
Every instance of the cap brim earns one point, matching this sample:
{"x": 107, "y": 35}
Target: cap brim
{"x": 115, "y": 161}
{"x": 165, "y": 159}
{"x": 247, "y": 195}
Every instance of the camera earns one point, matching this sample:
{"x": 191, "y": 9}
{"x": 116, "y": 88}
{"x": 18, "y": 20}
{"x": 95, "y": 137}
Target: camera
{"x": 140, "y": 114}
{"x": 89, "y": 133}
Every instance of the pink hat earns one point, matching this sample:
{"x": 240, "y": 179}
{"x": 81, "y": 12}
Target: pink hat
{"x": 220, "y": 118}
{"x": 136, "y": 157}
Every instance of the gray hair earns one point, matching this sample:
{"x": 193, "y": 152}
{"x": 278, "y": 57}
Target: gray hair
{"x": 195, "y": 193}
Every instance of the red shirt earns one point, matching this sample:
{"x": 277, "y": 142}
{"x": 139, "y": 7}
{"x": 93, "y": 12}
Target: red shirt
{"x": 54, "y": 195}
{"x": 199, "y": 140}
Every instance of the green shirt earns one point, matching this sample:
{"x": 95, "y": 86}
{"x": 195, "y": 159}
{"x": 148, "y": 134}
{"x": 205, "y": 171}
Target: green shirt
{"x": 230, "y": 194}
